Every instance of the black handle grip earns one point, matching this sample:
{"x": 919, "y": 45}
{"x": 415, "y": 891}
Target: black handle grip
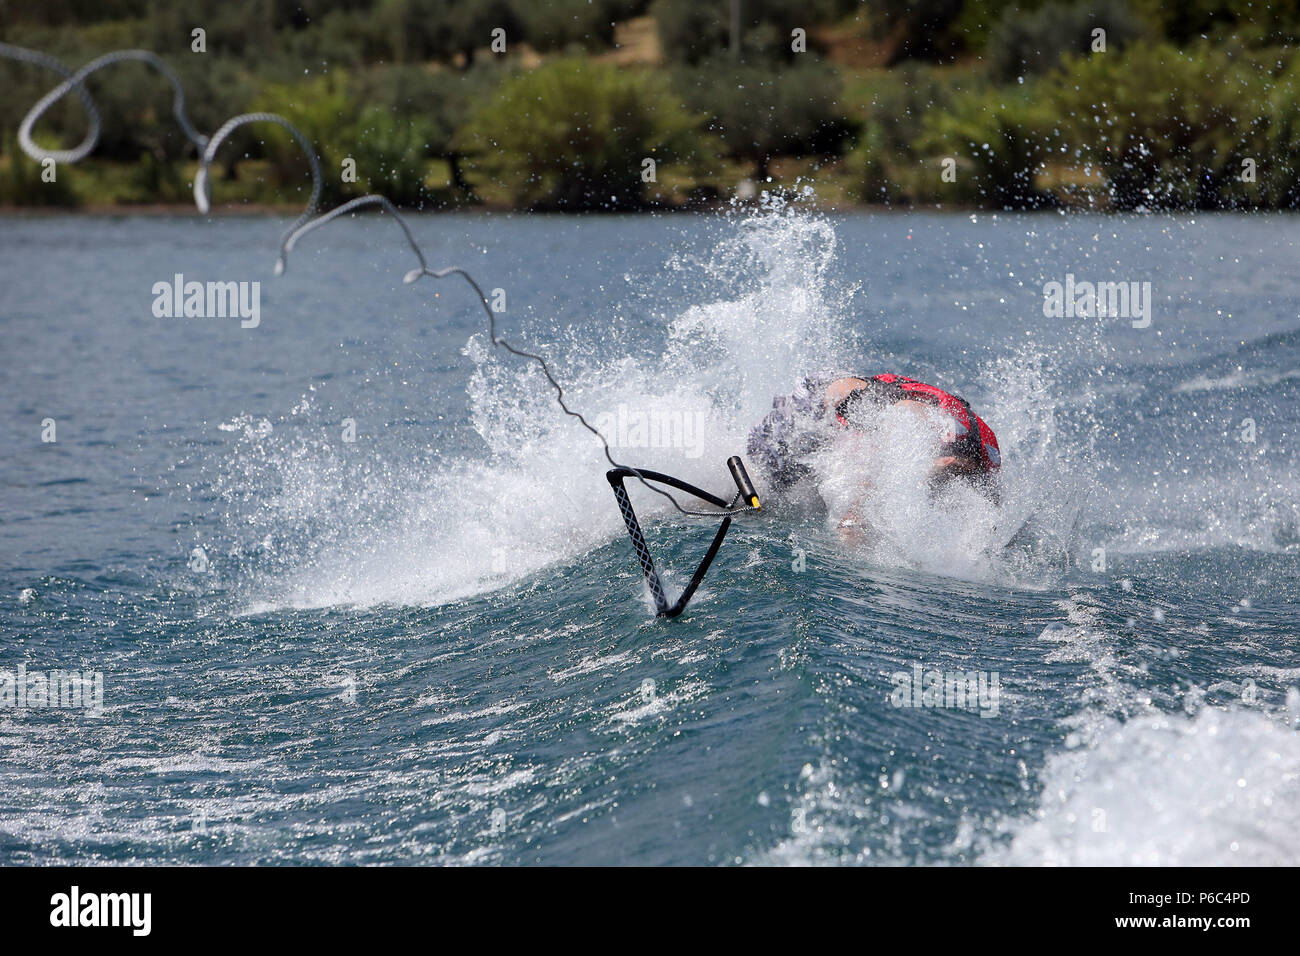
{"x": 743, "y": 484}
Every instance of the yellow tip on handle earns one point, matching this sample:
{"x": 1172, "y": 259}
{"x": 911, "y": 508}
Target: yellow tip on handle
{"x": 753, "y": 503}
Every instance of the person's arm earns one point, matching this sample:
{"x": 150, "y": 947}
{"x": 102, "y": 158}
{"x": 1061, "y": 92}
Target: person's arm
{"x": 782, "y": 441}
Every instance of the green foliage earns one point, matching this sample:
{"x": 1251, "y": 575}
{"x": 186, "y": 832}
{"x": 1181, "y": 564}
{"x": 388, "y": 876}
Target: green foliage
{"x": 1000, "y": 140}
{"x": 758, "y": 112}
{"x": 885, "y": 164}
{"x": 1027, "y": 43}
{"x": 328, "y": 116}
{"x": 156, "y": 179}
{"x": 437, "y": 104}
{"x": 21, "y": 183}
{"x": 1166, "y": 127}
{"x": 63, "y": 125}
{"x": 877, "y": 173}
{"x": 1186, "y": 92}
{"x": 440, "y": 99}
{"x": 922, "y": 29}
{"x": 692, "y": 32}
{"x": 445, "y": 29}
{"x": 1261, "y": 21}
{"x": 1156, "y": 127}
{"x": 1273, "y": 143}
{"x": 389, "y": 122}
{"x": 572, "y": 134}
{"x": 575, "y": 24}
{"x": 391, "y": 155}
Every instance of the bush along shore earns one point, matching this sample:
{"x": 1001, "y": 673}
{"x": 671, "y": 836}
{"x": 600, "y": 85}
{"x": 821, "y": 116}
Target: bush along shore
{"x": 624, "y": 105}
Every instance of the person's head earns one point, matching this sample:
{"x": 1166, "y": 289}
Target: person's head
{"x": 950, "y": 468}
{"x": 855, "y": 402}
{"x": 967, "y": 449}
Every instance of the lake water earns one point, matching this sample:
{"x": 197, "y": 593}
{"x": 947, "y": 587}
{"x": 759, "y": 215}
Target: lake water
{"x": 356, "y": 590}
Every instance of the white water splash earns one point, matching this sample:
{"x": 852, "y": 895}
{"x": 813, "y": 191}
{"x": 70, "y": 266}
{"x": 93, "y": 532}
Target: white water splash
{"x": 358, "y": 530}
{"x": 1217, "y": 789}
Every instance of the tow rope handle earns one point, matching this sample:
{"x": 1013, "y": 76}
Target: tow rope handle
{"x": 745, "y": 491}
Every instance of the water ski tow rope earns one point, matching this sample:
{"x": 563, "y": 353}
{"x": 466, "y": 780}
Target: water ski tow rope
{"x": 745, "y": 501}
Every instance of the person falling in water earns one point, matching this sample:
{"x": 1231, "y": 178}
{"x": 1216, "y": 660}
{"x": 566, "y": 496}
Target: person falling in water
{"x": 826, "y": 410}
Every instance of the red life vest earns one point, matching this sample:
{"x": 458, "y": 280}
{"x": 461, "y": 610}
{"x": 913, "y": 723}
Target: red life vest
{"x": 969, "y": 437}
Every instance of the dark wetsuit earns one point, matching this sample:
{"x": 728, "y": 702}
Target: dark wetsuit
{"x": 799, "y": 424}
